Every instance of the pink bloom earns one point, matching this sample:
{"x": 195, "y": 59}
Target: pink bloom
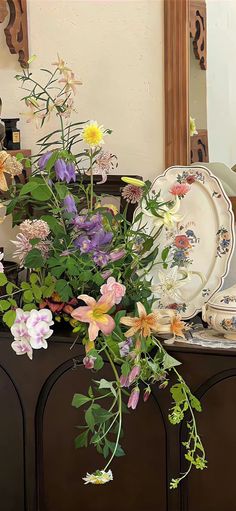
{"x": 134, "y": 398}
{"x": 70, "y": 82}
{"x": 124, "y": 380}
{"x": 104, "y": 164}
{"x": 179, "y": 189}
{"x": 146, "y": 394}
{"x": 22, "y": 348}
{"x": 88, "y": 362}
{"x": 117, "y": 289}
{"x": 132, "y": 193}
{"x": 95, "y": 313}
{"x": 134, "y": 373}
{"x": 117, "y": 254}
{"x": 35, "y": 229}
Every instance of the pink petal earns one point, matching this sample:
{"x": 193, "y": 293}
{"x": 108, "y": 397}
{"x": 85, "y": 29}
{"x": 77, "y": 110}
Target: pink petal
{"x": 81, "y": 313}
{"x": 87, "y": 299}
{"x": 108, "y": 326}
{"x": 93, "y": 331}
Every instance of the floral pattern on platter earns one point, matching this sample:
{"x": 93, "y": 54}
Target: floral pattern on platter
{"x": 178, "y": 307}
{"x": 182, "y": 242}
{"x": 229, "y": 324}
{"x": 190, "y": 177}
{"x": 228, "y": 299}
{"x": 223, "y": 242}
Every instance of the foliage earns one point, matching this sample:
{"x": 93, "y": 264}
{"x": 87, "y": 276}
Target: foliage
{"x": 88, "y": 265}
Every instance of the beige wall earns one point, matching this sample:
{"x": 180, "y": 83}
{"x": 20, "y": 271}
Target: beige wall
{"x": 116, "y": 48}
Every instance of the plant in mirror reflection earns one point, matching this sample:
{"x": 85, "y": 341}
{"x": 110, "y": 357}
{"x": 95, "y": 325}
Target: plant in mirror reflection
{"x": 87, "y": 266}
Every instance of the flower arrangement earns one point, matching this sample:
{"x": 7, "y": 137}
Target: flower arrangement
{"x": 87, "y": 265}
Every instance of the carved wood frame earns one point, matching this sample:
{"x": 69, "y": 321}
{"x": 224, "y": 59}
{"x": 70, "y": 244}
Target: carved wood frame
{"x": 176, "y": 61}
{"x": 17, "y": 29}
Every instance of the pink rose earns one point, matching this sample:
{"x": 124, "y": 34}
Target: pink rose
{"x": 117, "y": 289}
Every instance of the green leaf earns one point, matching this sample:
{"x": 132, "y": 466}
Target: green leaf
{"x": 34, "y": 278}
{"x": 61, "y": 189}
{"x": 195, "y": 403}
{"x": 28, "y": 187}
{"x": 81, "y": 440}
{"x": 90, "y": 418}
{"x": 4, "y": 305}
{"x": 97, "y": 279}
{"x": 64, "y": 290}
{"x": 54, "y": 225}
{"x": 101, "y": 415}
{"x": 29, "y": 307}
{"x": 165, "y": 253}
{"x": 98, "y": 363}
{"x": 169, "y": 361}
{"x": 28, "y": 296}
{"x": 85, "y": 276}
{"x": 34, "y": 259}
{"x": 3, "y": 279}
{"x": 119, "y": 451}
{"x": 177, "y": 393}
{"x": 104, "y": 384}
{"x": 9, "y": 318}
{"x": 79, "y": 400}
{"x": 125, "y": 368}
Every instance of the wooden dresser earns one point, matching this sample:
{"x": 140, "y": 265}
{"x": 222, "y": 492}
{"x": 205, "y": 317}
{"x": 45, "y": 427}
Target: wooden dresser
{"x": 41, "y": 470}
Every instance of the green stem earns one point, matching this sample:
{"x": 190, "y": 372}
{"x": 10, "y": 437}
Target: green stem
{"x": 119, "y": 407}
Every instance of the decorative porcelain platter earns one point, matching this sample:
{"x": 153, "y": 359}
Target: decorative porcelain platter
{"x": 201, "y": 241}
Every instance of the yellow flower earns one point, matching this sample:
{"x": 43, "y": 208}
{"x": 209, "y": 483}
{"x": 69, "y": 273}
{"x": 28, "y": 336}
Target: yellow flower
{"x": 93, "y": 134}
{"x": 133, "y": 181}
{"x": 192, "y": 127}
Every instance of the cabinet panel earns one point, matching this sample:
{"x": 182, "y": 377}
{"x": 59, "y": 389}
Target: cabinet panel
{"x": 139, "y": 478}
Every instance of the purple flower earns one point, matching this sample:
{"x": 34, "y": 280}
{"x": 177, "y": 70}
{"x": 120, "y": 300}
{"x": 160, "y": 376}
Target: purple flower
{"x": 88, "y": 362}
{"x": 124, "y": 381}
{"x": 100, "y": 258}
{"x": 84, "y": 244}
{"x": 65, "y": 171}
{"x": 70, "y": 172}
{"x": 134, "y": 373}
{"x": 44, "y": 159}
{"x": 102, "y": 238}
{"x": 134, "y": 398}
{"x": 88, "y": 224}
{"x": 125, "y": 346}
{"x": 117, "y": 254}
{"x": 69, "y": 204}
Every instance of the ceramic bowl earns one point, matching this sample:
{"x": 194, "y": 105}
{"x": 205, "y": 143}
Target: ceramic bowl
{"x": 220, "y": 312}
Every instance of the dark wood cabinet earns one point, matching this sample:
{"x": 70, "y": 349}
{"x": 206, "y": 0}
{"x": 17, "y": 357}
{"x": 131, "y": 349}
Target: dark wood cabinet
{"x": 41, "y": 470}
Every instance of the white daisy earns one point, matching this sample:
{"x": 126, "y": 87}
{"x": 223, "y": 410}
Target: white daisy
{"x": 98, "y": 477}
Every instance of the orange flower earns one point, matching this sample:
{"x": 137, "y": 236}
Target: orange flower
{"x": 8, "y": 165}
{"x": 144, "y": 323}
{"x": 177, "y": 326}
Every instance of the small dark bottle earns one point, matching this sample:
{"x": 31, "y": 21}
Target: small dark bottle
{"x": 12, "y": 139}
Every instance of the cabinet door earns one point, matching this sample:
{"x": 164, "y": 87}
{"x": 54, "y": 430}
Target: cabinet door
{"x": 139, "y": 478}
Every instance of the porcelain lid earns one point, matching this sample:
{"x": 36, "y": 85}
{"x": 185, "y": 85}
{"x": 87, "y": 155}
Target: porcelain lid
{"x": 225, "y": 299}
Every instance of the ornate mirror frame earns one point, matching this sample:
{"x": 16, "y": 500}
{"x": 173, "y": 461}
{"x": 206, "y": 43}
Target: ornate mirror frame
{"x": 17, "y": 29}
{"x": 182, "y": 19}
